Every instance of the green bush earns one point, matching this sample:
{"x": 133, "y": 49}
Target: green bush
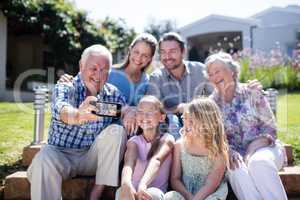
{"x": 279, "y": 76}
{"x": 66, "y": 29}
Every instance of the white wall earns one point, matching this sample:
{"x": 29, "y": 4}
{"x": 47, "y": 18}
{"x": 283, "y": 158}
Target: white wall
{"x": 218, "y": 25}
{"x": 3, "y": 43}
{"x": 284, "y": 36}
{"x": 278, "y": 18}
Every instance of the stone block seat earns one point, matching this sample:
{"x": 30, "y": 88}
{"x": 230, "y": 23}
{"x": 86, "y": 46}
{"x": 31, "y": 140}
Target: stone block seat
{"x": 17, "y": 186}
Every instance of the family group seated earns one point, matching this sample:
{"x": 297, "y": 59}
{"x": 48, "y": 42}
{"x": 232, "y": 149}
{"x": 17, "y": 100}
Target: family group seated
{"x": 185, "y": 132}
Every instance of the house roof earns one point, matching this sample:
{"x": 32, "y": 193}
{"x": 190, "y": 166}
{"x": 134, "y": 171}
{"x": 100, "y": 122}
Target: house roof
{"x": 253, "y": 20}
{"x": 247, "y": 21}
{"x": 293, "y": 9}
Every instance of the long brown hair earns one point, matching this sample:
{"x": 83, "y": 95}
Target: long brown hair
{"x": 207, "y": 121}
{"x": 143, "y": 37}
{"x": 161, "y": 128}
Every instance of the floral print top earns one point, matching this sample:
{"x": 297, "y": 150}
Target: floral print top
{"x": 247, "y": 117}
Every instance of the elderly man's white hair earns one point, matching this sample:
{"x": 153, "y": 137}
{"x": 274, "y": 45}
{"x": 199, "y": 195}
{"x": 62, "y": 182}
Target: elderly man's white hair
{"x": 96, "y": 49}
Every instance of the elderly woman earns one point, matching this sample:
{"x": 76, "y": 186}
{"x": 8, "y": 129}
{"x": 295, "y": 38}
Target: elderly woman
{"x": 255, "y": 153}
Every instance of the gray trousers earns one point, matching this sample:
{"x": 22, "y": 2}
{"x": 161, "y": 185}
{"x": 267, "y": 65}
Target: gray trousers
{"x": 52, "y": 164}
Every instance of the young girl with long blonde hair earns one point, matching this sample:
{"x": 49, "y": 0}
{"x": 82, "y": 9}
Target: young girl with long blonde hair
{"x": 200, "y": 157}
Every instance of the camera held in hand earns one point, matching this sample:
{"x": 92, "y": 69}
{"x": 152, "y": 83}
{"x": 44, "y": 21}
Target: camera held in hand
{"x": 107, "y": 109}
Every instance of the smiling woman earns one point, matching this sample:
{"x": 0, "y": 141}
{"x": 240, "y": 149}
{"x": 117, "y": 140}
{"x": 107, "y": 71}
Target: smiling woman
{"x": 131, "y": 78}
{"x": 256, "y": 155}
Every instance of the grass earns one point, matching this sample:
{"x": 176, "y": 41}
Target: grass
{"x": 17, "y": 121}
{"x": 288, "y": 120}
{"x": 16, "y": 132}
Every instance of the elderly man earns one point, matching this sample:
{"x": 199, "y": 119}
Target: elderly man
{"x": 79, "y": 142}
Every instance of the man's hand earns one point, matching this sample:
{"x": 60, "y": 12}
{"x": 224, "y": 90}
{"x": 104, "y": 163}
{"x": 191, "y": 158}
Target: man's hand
{"x": 85, "y": 110}
{"x": 71, "y": 115}
{"x": 65, "y": 78}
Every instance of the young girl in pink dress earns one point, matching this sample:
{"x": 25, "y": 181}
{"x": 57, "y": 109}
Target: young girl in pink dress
{"x": 148, "y": 156}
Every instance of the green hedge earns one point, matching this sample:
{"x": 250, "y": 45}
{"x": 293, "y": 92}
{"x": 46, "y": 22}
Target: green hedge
{"x": 278, "y": 76}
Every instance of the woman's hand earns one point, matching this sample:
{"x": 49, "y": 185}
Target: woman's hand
{"x": 142, "y": 194}
{"x": 129, "y": 121}
{"x": 255, "y": 85}
{"x": 256, "y": 144}
{"x": 247, "y": 157}
{"x": 127, "y": 192}
{"x": 235, "y": 160}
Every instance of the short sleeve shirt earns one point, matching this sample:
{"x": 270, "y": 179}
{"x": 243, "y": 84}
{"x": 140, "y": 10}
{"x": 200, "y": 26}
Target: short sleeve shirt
{"x": 172, "y": 92}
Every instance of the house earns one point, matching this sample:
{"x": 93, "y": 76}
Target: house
{"x": 275, "y": 27}
{"x": 27, "y": 60}
{"x": 22, "y": 57}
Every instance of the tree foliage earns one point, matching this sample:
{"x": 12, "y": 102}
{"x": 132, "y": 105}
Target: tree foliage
{"x": 65, "y": 29}
{"x": 116, "y": 33}
{"x": 158, "y": 28}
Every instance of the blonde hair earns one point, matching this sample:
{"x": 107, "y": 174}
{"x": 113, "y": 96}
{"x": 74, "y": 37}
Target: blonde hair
{"x": 207, "y": 121}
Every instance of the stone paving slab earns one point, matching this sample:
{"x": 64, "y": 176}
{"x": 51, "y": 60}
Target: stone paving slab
{"x": 18, "y": 187}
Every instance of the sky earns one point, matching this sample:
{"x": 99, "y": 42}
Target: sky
{"x": 139, "y": 13}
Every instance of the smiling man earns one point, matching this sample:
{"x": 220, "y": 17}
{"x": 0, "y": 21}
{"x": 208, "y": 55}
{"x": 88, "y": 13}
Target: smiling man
{"x": 79, "y": 142}
{"x": 178, "y": 81}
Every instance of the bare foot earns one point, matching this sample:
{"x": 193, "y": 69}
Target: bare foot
{"x": 96, "y": 192}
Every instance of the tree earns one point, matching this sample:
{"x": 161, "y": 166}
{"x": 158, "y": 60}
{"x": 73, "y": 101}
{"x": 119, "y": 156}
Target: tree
{"x": 65, "y": 29}
{"x": 158, "y": 28}
{"x": 116, "y": 33}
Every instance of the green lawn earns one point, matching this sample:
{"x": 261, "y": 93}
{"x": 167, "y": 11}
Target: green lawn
{"x": 16, "y": 129}
{"x": 288, "y": 118}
